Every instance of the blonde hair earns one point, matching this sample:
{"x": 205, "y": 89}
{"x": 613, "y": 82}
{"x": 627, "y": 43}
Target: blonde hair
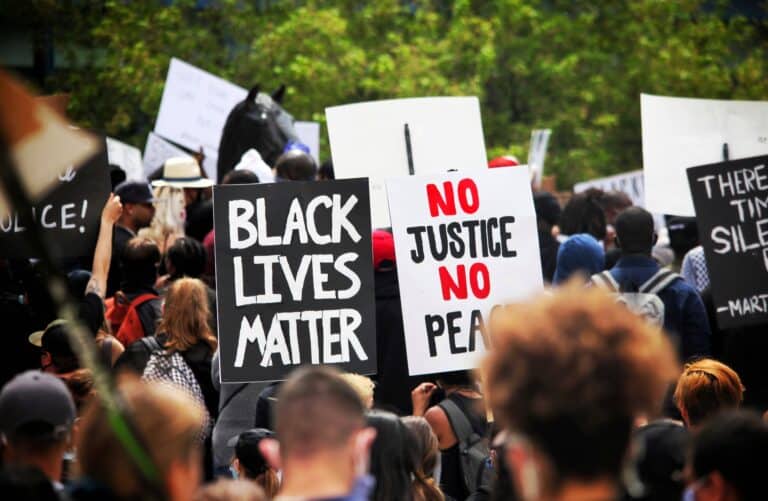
{"x": 170, "y": 215}
{"x": 362, "y": 385}
{"x": 186, "y": 315}
{"x": 166, "y": 422}
{"x": 706, "y": 387}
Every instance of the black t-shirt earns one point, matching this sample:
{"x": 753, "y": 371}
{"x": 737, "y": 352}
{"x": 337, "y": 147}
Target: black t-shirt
{"x": 92, "y": 312}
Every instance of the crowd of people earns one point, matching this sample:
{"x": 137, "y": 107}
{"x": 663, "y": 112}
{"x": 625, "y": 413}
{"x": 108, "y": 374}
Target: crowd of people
{"x": 614, "y": 384}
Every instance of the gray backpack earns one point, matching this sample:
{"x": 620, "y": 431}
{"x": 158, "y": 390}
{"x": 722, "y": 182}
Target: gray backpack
{"x": 644, "y": 300}
{"x": 474, "y": 453}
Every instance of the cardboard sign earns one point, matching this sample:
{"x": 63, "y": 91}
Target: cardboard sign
{"x": 731, "y": 200}
{"x": 41, "y": 143}
{"x": 194, "y": 106}
{"x": 126, "y": 157}
{"x": 374, "y": 139}
{"x": 309, "y": 134}
{"x": 69, "y": 216}
{"x": 537, "y": 153}
{"x": 464, "y": 243}
{"x": 631, "y": 183}
{"x": 294, "y": 278}
{"x": 680, "y": 132}
{"x": 158, "y": 150}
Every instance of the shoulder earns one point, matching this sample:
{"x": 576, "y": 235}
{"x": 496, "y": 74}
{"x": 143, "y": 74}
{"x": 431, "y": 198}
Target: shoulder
{"x": 437, "y": 418}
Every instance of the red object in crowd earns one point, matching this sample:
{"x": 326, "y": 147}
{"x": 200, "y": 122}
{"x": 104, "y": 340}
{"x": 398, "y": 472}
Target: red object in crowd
{"x": 505, "y": 161}
{"x": 383, "y": 248}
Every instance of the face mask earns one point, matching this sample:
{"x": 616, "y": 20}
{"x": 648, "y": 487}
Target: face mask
{"x": 233, "y": 472}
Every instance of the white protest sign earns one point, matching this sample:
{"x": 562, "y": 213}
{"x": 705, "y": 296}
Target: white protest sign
{"x": 157, "y": 151}
{"x": 536, "y": 154}
{"x": 309, "y": 134}
{"x": 369, "y": 140}
{"x": 464, "y": 241}
{"x": 631, "y": 183}
{"x": 126, "y": 157}
{"x": 195, "y": 106}
{"x": 681, "y": 132}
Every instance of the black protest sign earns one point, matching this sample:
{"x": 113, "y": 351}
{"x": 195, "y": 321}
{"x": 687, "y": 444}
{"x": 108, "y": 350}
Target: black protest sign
{"x": 294, "y": 278}
{"x": 68, "y": 216}
{"x": 731, "y": 201}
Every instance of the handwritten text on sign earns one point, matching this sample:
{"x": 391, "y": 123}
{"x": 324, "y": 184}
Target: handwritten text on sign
{"x": 294, "y": 278}
{"x": 463, "y": 244}
{"x": 731, "y": 200}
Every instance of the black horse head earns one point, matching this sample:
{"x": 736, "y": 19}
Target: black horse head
{"x": 258, "y": 122}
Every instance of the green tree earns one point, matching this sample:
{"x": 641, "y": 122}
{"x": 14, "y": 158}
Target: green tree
{"x": 575, "y": 66}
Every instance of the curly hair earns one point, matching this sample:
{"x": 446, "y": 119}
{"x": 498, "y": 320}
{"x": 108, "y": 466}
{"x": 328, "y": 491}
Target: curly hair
{"x": 570, "y": 371}
{"x": 706, "y": 387}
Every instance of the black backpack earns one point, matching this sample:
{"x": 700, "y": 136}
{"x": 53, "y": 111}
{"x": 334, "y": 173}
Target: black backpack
{"x": 474, "y": 452}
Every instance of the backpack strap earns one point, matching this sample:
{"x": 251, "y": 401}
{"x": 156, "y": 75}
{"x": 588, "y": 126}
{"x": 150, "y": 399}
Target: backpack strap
{"x": 151, "y": 343}
{"x": 659, "y": 281}
{"x": 142, "y": 298}
{"x": 459, "y": 422}
{"x": 606, "y": 280}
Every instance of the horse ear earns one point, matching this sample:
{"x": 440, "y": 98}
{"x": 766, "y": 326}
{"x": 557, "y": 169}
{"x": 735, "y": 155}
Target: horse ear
{"x": 277, "y": 96}
{"x": 253, "y": 93}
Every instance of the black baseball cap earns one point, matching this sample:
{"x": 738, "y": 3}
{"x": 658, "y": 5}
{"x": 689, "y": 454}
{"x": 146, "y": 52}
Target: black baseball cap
{"x": 36, "y": 397}
{"x": 134, "y": 192}
{"x": 53, "y": 339}
{"x": 247, "y": 449}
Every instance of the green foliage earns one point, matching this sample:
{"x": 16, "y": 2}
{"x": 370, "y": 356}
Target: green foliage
{"x": 574, "y": 66}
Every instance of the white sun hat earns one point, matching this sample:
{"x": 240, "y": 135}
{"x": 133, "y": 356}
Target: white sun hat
{"x": 182, "y": 172}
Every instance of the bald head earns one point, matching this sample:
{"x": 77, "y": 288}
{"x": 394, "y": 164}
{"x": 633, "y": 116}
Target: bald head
{"x": 634, "y": 231}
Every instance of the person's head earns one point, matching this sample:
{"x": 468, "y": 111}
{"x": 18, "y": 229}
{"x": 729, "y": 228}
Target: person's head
{"x": 230, "y": 490}
{"x": 249, "y": 463}
{"x": 56, "y": 353}
{"x": 583, "y": 214}
{"x": 325, "y": 172}
{"x": 295, "y": 165}
{"x": 728, "y": 458}
{"x": 241, "y": 176}
{"x": 320, "y": 423}
{"x": 634, "y": 231}
{"x": 568, "y": 375}
{"x": 138, "y": 207}
{"x": 581, "y": 253}
{"x": 166, "y": 422}
{"x": 547, "y": 210}
{"x": 658, "y": 456}
{"x": 186, "y": 314}
{"x": 36, "y": 419}
{"x": 383, "y": 250}
{"x": 81, "y": 387}
{"x": 362, "y": 385}
{"x": 683, "y": 234}
{"x": 391, "y": 462}
{"x": 139, "y": 262}
{"x": 455, "y": 379}
{"x": 705, "y": 388}
{"x": 612, "y": 203}
{"x": 423, "y": 444}
{"x": 185, "y": 258}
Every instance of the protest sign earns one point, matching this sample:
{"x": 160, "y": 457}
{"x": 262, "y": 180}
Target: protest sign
{"x": 464, "y": 241}
{"x": 294, "y": 278}
{"x": 680, "y": 132}
{"x": 126, "y": 157}
{"x": 41, "y": 144}
{"x": 731, "y": 200}
{"x": 309, "y": 134}
{"x": 157, "y": 151}
{"x": 537, "y": 153}
{"x": 194, "y": 106}
{"x": 376, "y": 140}
{"x": 631, "y": 183}
{"x": 68, "y": 217}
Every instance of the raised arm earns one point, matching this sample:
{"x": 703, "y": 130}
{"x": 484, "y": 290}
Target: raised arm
{"x": 103, "y": 254}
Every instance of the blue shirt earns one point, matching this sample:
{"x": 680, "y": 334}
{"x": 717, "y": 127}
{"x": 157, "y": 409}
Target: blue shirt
{"x": 685, "y": 318}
